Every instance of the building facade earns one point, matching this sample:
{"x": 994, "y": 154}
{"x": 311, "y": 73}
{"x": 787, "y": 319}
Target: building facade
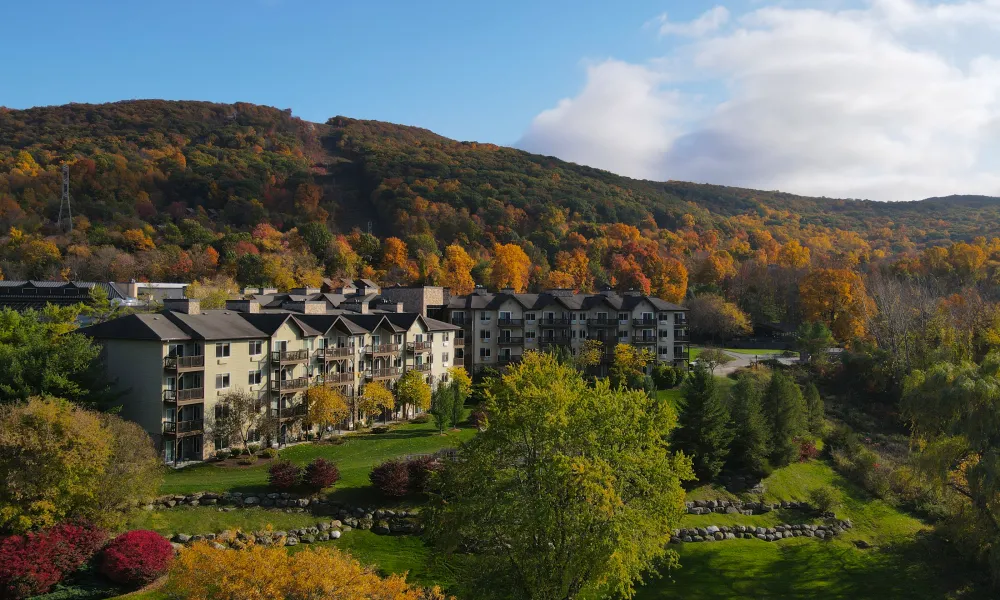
{"x": 173, "y": 368}
{"x": 498, "y": 328}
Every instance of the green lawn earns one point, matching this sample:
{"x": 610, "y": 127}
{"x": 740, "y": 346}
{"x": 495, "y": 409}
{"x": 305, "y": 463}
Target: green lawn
{"x": 208, "y": 519}
{"x": 758, "y": 351}
{"x": 355, "y": 458}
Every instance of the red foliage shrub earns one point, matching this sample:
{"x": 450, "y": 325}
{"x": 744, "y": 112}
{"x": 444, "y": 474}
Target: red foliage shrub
{"x": 137, "y": 558}
{"x": 320, "y": 474}
{"x": 31, "y": 564}
{"x": 283, "y": 475}
{"x": 807, "y": 450}
{"x": 419, "y": 470}
{"x": 392, "y": 478}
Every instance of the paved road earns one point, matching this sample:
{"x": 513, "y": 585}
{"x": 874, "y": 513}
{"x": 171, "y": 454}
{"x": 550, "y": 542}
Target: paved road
{"x": 744, "y": 360}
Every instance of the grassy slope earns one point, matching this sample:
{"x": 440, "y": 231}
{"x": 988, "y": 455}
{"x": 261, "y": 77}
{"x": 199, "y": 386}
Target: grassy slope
{"x": 355, "y": 458}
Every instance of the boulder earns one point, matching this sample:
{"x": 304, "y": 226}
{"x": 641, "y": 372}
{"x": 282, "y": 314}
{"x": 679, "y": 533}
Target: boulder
{"x": 291, "y": 541}
{"x": 334, "y": 535}
{"x": 181, "y": 538}
{"x": 251, "y": 501}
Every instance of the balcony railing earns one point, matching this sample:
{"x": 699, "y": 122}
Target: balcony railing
{"x": 682, "y": 337}
{"x": 382, "y": 349}
{"x": 289, "y": 356}
{"x": 339, "y": 378}
{"x": 511, "y": 341}
{"x": 546, "y": 343}
{"x": 642, "y": 339}
{"x": 188, "y": 395}
{"x": 288, "y": 386}
{"x": 510, "y": 323}
{"x": 553, "y": 322}
{"x": 459, "y": 342}
{"x": 182, "y": 427}
{"x": 508, "y": 360}
{"x": 181, "y": 363}
{"x": 334, "y": 353}
{"x": 419, "y": 346}
{"x": 387, "y": 373}
{"x": 293, "y": 412}
{"x": 598, "y": 322}
{"x": 651, "y": 322}
{"x": 423, "y": 367}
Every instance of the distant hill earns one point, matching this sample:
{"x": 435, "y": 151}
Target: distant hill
{"x": 151, "y": 162}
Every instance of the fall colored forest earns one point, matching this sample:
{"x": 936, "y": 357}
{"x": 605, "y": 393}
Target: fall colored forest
{"x": 241, "y": 194}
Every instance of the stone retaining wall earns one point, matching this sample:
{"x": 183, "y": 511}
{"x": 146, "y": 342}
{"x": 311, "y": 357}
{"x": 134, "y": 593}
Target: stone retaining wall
{"x": 738, "y": 507}
{"x": 713, "y": 533}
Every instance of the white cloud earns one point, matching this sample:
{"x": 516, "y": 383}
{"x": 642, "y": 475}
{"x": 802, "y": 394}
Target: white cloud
{"x": 711, "y": 20}
{"x": 879, "y": 102}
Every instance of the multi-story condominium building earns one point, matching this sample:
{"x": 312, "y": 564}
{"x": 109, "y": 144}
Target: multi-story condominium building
{"x": 174, "y": 367}
{"x": 497, "y": 328}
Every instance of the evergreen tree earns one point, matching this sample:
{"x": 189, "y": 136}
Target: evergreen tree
{"x": 459, "y": 392}
{"x": 785, "y": 410}
{"x": 814, "y": 409}
{"x": 703, "y": 426}
{"x": 750, "y": 449}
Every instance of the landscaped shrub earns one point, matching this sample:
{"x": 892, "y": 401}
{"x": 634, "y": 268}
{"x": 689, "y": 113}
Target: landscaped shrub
{"x": 381, "y": 429}
{"x": 137, "y": 558}
{"x": 824, "y": 499}
{"x": 666, "y": 377}
{"x": 254, "y": 448}
{"x": 392, "y": 478}
{"x": 421, "y": 418}
{"x": 269, "y": 453}
{"x": 320, "y": 473}
{"x": 284, "y": 475}
{"x": 419, "y": 471}
{"x": 31, "y": 564}
{"x": 249, "y": 459}
{"x": 807, "y": 450}
{"x": 222, "y": 454}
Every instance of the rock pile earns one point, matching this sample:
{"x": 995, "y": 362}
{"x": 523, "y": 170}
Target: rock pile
{"x": 714, "y": 533}
{"x": 738, "y": 507}
{"x": 321, "y": 532}
{"x": 237, "y": 500}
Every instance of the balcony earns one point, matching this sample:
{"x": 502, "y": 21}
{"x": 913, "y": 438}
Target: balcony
{"x": 546, "y": 344}
{"x": 644, "y": 339}
{"x": 602, "y": 323}
{"x": 510, "y": 323}
{"x": 508, "y": 360}
{"x": 511, "y": 341}
{"x": 382, "y": 349}
{"x": 419, "y": 346}
{"x": 289, "y": 356}
{"x": 329, "y": 354}
{"x": 338, "y": 378}
{"x": 184, "y": 363}
{"x": 460, "y": 342}
{"x": 681, "y": 337}
{"x": 183, "y": 427}
{"x": 423, "y": 367}
{"x": 296, "y": 411}
{"x": 387, "y": 373}
{"x": 553, "y": 322}
{"x": 290, "y": 386}
{"x": 644, "y": 322}
{"x": 184, "y": 396}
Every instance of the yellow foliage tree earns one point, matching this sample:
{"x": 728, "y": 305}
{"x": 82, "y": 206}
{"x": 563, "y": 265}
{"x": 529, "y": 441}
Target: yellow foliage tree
{"x": 374, "y": 398}
{"x": 511, "y": 267}
{"x": 668, "y": 279}
{"x": 202, "y": 572}
{"x": 458, "y": 374}
{"x": 457, "y": 271}
{"x": 137, "y": 240}
{"x": 794, "y": 255}
{"x": 629, "y": 363}
{"x": 327, "y": 407}
{"x": 576, "y": 265}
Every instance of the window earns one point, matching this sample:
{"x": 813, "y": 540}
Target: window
{"x": 530, "y": 317}
{"x": 664, "y": 317}
{"x": 446, "y": 336}
{"x": 485, "y": 316}
{"x": 256, "y": 347}
{"x": 623, "y": 317}
{"x": 572, "y": 334}
{"x": 647, "y": 317}
{"x": 664, "y": 334}
{"x": 648, "y": 334}
{"x": 549, "y": 316}
{"x": 222, "y": 350}
{"x": 505, "y": 315}
{"x": 623, "y": 334}
{"x": 459, "y": 354}
{"x": 222, "y": 381}
{"x": 255, "y": 377}
{"x": 485, "y": 353}
{"x": 376, "y": 339}
{"x": 281, "y": 345}
{"x": 484, "y": 335}
{"x": 444, "y": 358}
{"x": 529, "y": 335}
{"x": 430, "y": 337}
{"x": 582, "y": 317}
{"x": 418, "y": 338}
{"x": 602, "y": 317}
{"x": 175, "y": 350}
{"x": 664, "y": 351}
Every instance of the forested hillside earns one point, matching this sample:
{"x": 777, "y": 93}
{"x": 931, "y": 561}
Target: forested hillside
{"x": 190, "y": 190}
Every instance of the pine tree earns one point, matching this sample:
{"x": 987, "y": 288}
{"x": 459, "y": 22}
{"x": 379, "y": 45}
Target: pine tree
{"x": 750, "y": 449}
{"x": 814, "y": 409}
{"x": 785, "y": 410}
{"x": 703, "y": 431}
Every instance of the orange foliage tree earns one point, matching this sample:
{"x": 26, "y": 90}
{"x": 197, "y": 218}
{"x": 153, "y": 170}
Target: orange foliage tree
{"x": 794, "y": 255}
{"x": 837, "y": 298}
{"x": 456, "y": 274}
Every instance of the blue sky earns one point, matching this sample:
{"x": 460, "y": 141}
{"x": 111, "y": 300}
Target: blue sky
{"x": 879, "y": 99}
{"x": 469, "y": 70}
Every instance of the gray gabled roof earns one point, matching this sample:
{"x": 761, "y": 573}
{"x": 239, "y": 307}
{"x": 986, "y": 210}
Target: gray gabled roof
{"x": 152, "y": 327}
{"x": 571, "y": 302}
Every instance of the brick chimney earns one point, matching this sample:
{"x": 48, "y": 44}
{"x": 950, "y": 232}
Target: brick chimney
{"x": 182, "y": 305}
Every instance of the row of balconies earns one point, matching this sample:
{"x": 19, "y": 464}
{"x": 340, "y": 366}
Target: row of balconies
{"x": 192, "y": 363}
{"x": 595, "y": 322}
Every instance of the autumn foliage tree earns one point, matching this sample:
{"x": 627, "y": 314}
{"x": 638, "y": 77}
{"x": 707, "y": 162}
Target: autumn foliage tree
{"x": 511, "y": 267}
{"x": 836, "y": 298}
{"x": 456, "y": 272}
